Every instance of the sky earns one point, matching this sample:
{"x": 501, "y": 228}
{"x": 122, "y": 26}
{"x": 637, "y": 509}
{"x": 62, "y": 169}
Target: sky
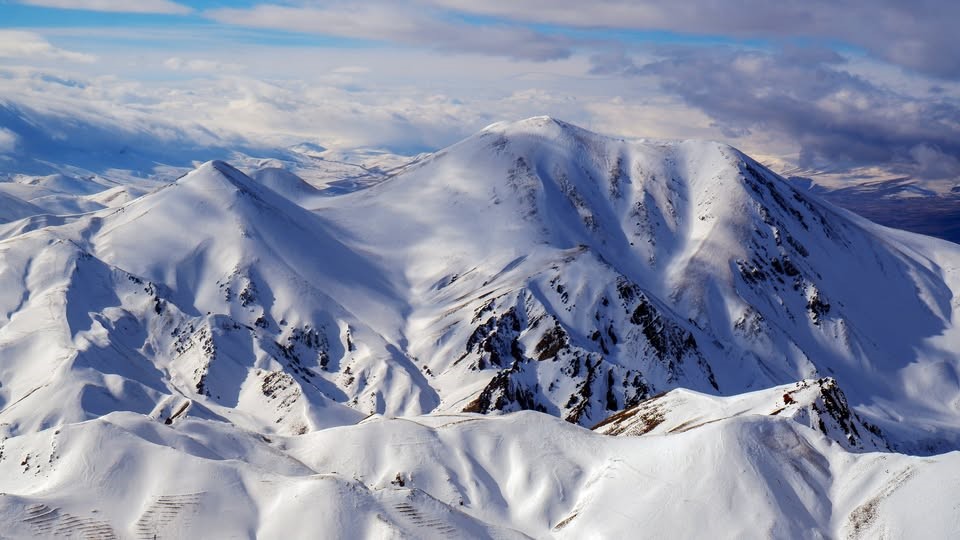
{"x": 852, "y": 87}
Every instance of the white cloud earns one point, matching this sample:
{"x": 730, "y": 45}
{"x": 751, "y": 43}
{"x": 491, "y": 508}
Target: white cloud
{"x": 118, "y": 6}
{"x": 405, "y": 99}
{"x": 30, "y": 45}
{"x": 8, "y": 141}
{"x": 932, "y": 163}
{"x": 353, "y": 70}
{"x": 428, "y": 75}
{"x": 199, "y": 65}
{"x": 400, "y": 99}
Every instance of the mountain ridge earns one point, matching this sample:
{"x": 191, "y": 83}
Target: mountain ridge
{"x": 546, "y": 310}
{"x": 731, "y": 338}
{"x": 757, "y": 234}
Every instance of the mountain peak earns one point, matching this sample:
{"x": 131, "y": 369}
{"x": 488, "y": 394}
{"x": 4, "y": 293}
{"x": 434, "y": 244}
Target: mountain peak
{"x": 536, "y": 124}
{"x": 221, "y": 166}
{"x": 221, "y": 185}
{"x": 217, "y": 173}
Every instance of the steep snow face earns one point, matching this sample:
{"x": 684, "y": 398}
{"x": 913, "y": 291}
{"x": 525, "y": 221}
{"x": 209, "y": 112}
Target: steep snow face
{"x": 555, "y": 269}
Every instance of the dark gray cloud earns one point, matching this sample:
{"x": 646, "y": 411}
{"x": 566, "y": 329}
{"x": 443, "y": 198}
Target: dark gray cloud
{"x": 839, "y": 119}
{"x": 400, "y": 22}
{"x": 917, "y": 34}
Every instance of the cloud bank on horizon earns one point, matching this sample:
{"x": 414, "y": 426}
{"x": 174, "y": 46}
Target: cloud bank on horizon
{"x": 842, "y": 86}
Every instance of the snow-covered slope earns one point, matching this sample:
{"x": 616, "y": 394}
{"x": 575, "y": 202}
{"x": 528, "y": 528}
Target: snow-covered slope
{"x": 515, "y": 476}
{"x": 58, "y": 193}
{"x": 241, "y": 328}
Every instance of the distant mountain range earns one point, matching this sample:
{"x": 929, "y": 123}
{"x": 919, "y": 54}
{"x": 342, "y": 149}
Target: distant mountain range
{"x": 902, "y": 203}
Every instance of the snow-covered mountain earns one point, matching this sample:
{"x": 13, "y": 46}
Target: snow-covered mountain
{"x": 551, "y": 268}
{"x": 731, "y": 335}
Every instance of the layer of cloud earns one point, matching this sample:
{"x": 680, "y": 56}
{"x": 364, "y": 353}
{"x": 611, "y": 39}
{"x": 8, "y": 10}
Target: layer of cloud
{"x": 32, "y": 46}
{"x": 115, "y": 6}
{"x": 837, "y": 118}
{"x": 384, "y": 105}
{"x": 8, "y": 141}
{"x": 229, "y": 111}
{"x": 808, "y": 104}
{"x": 918, "y": 34}
{"x": 398, "y": 23}
{"x": 198, "y": 65}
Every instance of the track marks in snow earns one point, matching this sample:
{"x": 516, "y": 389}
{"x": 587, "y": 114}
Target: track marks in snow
{"x": 166, "y": 510}
{"x": 50, "y": 522}
{"x": 864, "y": 517}
{"x": 422, "y": 520}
